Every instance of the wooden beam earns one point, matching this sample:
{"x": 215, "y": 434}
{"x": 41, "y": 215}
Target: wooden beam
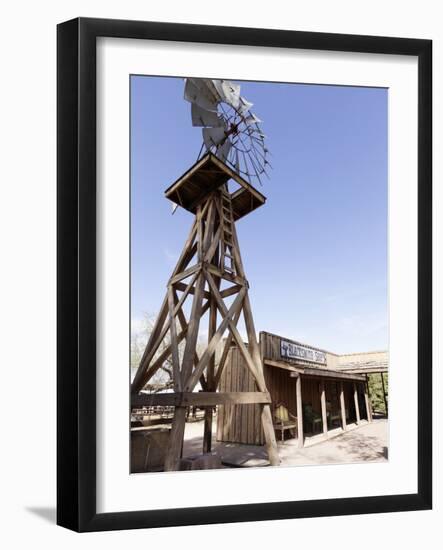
{"x": 324, "y": 415}
{"x": 200, "y": 233}
{"x": 174, "y": 342}
{"x": 186, "y": 273}
{"x": 298, "y": 391}
{"x": 186, "y": 399}
{"x": 210, "y": 371}
{"x": 175, "y": 442}
{"x": 368, "y": 407}
{"x": 209, "y": 229}
{"x": 184, "y": 326}
{"x": 189, "y": 256}
{"x": 252, "y": 338}
{"x": 213, "y": 247}
{"x": 269, "y": 433}
{"x": 185, "y": 255}
{"x": 182, "y": 287}
{"x": 342, "y": 407}
{"x": 283, "y": 365}
{"x": 325, "y": 373}
{"x": 230, "y": 291}
{"x": 194, "y": 323}
{"x": 224, "y": 275}
{"x": 356, "y": 403}
{"x": 205, "y": 307}
{"x": 365, "y": 370}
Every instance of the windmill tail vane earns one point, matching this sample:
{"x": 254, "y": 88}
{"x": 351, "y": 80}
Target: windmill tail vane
{"x": 230, "y": 129}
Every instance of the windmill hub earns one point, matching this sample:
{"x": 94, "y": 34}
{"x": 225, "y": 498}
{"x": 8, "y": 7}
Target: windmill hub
{"x": 233, "y": 129}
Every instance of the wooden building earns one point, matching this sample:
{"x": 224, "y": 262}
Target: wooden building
{"x": 318, "y": 391}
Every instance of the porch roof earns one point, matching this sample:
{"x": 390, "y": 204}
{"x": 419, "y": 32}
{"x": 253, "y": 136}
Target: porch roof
{"x": 311, "y": 370}
{"x": 364, "y": 367}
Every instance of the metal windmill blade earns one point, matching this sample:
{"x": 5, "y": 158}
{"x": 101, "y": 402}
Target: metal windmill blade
{"x": 204, "y": 117}
{"x": 201, "y": 92}
{"x": 214, "y": 137}
{"x": 230, "y": 129}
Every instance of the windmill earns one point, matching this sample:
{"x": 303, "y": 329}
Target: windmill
{"x": 210, "y": 272}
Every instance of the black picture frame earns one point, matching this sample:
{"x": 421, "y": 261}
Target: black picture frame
{"x": 76, "y": 265}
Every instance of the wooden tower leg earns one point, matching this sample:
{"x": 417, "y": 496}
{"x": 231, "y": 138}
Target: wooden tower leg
{"x": 173, "y": 453}
{"x": 207, "y": 432}
{"x": 174, "y": 450}
{"x": 268, "y": 429}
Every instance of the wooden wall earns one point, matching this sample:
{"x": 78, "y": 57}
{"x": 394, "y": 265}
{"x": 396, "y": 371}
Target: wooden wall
{"x": 238, "y": 423}
{"x": 282, "y": 388}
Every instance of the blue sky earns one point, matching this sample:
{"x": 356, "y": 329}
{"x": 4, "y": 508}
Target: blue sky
{"x": 316, "y": 253}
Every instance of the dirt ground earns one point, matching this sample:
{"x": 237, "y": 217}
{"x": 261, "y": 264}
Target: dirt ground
{"x": 367, "y": 442}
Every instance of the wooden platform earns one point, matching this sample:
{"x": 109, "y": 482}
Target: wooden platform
{"x": 208, "y": 174}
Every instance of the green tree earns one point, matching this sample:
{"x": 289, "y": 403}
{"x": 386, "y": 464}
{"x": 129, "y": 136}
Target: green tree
{"x": 376, "y": 391}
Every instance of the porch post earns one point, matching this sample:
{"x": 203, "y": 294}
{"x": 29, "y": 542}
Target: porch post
{"x": 323, "y": 407}
{"x": 384, "y": 393}
{"x": 342, "y": 406}
{"x": 368, "y": 407}
{"x": 299, "y": 411}
{"x": 357, "y": 408}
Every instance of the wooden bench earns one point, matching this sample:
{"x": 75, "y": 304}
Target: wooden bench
{"x": 284, "y": 421}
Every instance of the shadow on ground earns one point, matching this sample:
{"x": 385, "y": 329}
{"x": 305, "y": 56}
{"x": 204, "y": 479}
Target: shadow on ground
{"x": 361, "y": 447}
{"x": 46, "y": 513}
{"x": 366, "y": 443}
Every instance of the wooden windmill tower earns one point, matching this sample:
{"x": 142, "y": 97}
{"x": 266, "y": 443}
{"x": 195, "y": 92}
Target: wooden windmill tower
{"x": 209, "y": 274}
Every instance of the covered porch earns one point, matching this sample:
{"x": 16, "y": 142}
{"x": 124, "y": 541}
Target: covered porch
{"x": 313, "y": 404}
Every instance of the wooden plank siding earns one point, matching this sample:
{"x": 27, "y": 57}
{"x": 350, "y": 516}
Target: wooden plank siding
{"x": 238, "y": 423}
